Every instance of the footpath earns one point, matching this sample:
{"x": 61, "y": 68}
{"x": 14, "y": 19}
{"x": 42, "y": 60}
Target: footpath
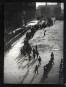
{"x": 16, "y": 70}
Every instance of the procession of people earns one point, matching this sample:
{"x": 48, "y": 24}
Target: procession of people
{"x": 34, "y": 53}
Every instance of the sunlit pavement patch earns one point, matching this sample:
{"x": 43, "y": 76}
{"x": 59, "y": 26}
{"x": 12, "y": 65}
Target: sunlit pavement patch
{"x": 14, "y": 43}
{"x": 55, "y": 49}
{"x": 45, "y": 47}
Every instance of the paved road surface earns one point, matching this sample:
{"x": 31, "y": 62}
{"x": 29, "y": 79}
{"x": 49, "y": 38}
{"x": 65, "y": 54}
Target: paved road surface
{"x": 16, "y": 70}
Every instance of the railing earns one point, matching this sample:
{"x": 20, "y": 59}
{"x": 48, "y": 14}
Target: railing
{"x": 13, "y": 38}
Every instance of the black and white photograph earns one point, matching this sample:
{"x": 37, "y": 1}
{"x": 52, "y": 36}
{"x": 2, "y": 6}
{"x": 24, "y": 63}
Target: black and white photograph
{"x": 33, "y": 42}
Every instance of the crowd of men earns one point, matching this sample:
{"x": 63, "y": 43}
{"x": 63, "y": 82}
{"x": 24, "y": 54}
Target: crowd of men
{"x": 35, "y": 54}
{"x": 46, "y": 23}
{"x": 47, "y": 67}
{"x": 35, "y": 50}
{"x": 61, "y": 69}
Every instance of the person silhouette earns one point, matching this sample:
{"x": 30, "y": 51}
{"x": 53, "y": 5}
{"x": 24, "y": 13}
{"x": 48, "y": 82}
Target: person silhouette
{"x": 36, "y": 69}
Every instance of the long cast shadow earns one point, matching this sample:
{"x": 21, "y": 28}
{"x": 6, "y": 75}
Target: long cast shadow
{"x": 29, "y": 64}
{"x": 20, "y": 65}
{"x": 43, "y": 78}
{"x": 45, "y": 75}
{"x": 33, "y": 78}
{"x": 24, "y": 77}
{"x": 24, "y": 66}
{"x": 22, "y": 60}
{"x": 19, "y": 56}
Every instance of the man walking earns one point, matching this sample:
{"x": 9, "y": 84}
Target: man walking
{"x": 36, "y": 69}
{"x": 45, "y": 71}
{"x": 21, "y": 51}
{"x": 29, "y": 58}
{"x": 44, "y": 33}
{"x": 52, "y": 57}
{"x": 37, "y": 53}
{"x": 34, "y": 53}
{"x": 39, "y": 59}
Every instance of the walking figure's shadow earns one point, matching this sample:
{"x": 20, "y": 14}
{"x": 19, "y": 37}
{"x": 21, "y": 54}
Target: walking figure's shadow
{"x": 29, "y": 64}
{"x": 43, "y": 78}
{"x": 33, "y": 77}
{"x": 33, "y": 62}
{"x": 19, "y": 58}
{"x": 45, "y": 75}
{"x": 24, "y": 77}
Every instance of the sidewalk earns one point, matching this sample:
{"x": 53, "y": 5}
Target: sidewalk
{"x": 16, "y": 70}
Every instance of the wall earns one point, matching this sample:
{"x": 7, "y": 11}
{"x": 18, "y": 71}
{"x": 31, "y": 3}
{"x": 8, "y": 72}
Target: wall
{"x": 16, "y": 13}
{"x": 49, "y": 11}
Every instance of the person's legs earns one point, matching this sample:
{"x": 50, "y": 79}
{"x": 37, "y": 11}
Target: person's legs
{"x": 37, "y": 54}
{"x": 40, "y": 62}
{"x": 37, "y": 71}
{"x": 53, "y": 61}
{"x": 34, "y": 56}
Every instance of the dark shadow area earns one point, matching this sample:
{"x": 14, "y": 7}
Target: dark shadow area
{"x": 30, "y": 64}
{"x": 14, "y": 15}
{"x": 33, "y": 77}
{"x": 43, "y": 78}
{"x": 19, "y": 56}
{"x": 61, "y": 77}
{"x": 45, "y": 73}
{"x": 24, "y": 66}
{"x": 21, "y": 61}
{"x": 25, "y": 76}
{"x": 20, "y": 65}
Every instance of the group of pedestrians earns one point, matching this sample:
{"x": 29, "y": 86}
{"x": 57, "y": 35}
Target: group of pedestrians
{"x": 39, "y": 58}
{"x": 39, "y": 63}
{"x": 44, "y": 33}
{"x": 61, "y": 69}
{"x": 48, "y": 66}
{"x": 35, "y": 54}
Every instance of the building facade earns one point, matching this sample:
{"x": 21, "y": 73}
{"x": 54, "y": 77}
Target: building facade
{"x": 49, "y": 11}
{"x": 17, "y": 14}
